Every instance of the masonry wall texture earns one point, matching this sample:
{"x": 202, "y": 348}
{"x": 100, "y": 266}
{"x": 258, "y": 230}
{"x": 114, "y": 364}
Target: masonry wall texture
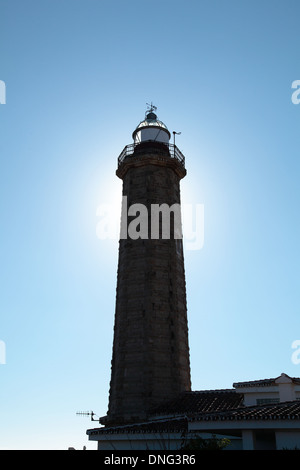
{"x": 150, "y": 361}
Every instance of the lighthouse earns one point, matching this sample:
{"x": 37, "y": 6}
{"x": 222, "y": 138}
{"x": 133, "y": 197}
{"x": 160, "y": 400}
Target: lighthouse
{"x": 150, "y": 357}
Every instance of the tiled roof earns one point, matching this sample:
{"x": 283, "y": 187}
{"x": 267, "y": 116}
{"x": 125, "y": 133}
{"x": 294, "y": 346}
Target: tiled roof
{"x": 274, "y": 412}
{"x": 279, "y": 411}
{"x": 216, "y": 405}
{"x": 176, "y": 426}
{"x": 201, "y": 401}
{"x": 255, "y": 383}
{"x": 187, "y": 403}
{"x": 264, "y": 382}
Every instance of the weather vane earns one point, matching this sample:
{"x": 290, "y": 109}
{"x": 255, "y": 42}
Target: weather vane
{"x": 151, "y": 107}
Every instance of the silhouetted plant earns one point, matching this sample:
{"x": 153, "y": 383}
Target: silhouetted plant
{"x": 198, "y": 443}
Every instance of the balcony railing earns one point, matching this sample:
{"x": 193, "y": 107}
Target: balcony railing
{"x": 173, "y": 152}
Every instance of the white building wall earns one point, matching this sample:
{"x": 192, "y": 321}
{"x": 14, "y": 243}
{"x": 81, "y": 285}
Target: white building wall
{"x": 250, "y": 399}
{"x": 248, "y": 437}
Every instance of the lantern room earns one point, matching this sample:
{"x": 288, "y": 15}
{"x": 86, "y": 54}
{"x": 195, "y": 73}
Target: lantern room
{"x": 151, "y": 129}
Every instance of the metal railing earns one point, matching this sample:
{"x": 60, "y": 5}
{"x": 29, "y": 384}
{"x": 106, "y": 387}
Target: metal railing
{"x": 173, "y": 150}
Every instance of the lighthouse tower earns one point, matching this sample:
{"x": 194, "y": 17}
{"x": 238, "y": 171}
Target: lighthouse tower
{"x": 150, "y": 359}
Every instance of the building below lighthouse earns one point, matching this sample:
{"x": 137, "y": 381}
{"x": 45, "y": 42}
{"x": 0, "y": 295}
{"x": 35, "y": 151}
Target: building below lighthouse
{"x": 253, "y": 415}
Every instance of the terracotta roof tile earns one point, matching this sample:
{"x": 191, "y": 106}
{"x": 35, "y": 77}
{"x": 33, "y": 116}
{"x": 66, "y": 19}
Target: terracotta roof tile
{"x": 216, "y": 411}
{"x": 264, "y": 382}
{"x": 278, "y": 411}
{"x": 176, "y": 426}
{"x": 202, "y": 401}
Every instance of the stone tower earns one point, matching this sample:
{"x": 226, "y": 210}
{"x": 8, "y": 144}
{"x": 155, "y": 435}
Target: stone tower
{"x": 150, "y": 361}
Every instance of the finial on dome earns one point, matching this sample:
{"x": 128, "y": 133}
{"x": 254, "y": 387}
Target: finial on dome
{"x": 149, "y": 113}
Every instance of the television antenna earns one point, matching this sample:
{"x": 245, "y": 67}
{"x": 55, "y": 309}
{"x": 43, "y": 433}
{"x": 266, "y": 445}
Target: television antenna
{"x": 87, "y": 413}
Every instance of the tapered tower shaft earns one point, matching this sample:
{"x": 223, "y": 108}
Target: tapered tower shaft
{"x": 150, "y": 361}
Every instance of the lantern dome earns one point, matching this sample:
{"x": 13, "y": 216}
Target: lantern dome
{"x": 151, "y": 129}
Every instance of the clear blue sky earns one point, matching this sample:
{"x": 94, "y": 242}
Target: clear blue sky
{"x": 78, "y": 74}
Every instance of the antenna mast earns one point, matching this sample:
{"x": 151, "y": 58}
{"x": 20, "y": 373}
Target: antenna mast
{"x": 87, "y": 413}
